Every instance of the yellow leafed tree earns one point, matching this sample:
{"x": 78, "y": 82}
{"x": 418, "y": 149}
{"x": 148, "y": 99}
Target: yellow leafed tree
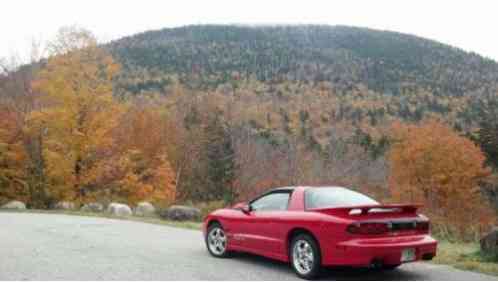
{"x": 77, "y": 85}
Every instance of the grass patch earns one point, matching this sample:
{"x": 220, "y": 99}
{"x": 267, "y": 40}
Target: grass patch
{"x": 465, "y": 256}
{"x": 153, "y": 220}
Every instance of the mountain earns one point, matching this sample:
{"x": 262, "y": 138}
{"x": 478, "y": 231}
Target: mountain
{"x": 404, "y": 76}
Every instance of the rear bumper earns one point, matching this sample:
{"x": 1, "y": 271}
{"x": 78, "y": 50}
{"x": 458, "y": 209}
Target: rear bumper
{"x": 387, "y": 251}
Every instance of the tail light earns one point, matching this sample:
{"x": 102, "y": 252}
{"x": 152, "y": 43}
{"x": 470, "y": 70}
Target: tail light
{"x": 368, "y": 228}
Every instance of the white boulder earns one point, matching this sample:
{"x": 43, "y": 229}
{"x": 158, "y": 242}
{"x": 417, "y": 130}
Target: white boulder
{"x": 119, "y": 209}
{"x": 145, "y": 209}
{"x": 14, "y": 205}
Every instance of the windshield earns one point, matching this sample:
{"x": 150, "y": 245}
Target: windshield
{"x": 333, "y": 197}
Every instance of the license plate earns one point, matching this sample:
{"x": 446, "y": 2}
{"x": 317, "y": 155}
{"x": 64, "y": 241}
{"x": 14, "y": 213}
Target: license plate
{"x": 408, "y": 255}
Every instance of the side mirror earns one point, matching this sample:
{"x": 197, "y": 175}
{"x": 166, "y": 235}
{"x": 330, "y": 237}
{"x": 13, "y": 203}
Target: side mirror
{"x": 246, "y": 209}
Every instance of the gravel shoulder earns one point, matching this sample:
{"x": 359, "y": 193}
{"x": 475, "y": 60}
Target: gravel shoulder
{"x": 61, "y": 247}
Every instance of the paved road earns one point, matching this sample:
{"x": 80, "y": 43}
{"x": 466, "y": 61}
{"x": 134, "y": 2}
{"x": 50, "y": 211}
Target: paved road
{"x": 60, "y": 247}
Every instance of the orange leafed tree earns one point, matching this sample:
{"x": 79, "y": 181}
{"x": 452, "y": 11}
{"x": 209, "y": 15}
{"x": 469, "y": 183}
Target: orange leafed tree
{"x": 12, "y": 158}
{"x": 432, "y": 164}
{"x": 144, "y": 171}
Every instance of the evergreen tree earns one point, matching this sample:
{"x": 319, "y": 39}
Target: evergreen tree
{"x": 487, "y": 136}
{"x": 220, "y": 160}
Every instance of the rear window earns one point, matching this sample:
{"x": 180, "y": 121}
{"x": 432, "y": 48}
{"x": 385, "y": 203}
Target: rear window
{"x": 333, "y": 197}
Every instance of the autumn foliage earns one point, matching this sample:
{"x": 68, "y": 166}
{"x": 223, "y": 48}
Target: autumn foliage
{"x": 71, "y": 130}
{"x": 12, "y": 158}
{"x": 141, "y": 152}
{"x": 84, "y": 145}
{"x": 433, "y": 165}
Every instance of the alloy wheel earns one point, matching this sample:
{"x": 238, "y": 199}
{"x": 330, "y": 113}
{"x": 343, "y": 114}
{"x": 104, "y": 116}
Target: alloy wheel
{"x": 217, "y": 241}
{"x": 303, "y": 257}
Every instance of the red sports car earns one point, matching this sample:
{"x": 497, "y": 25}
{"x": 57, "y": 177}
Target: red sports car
{"x": 311, "y": 227}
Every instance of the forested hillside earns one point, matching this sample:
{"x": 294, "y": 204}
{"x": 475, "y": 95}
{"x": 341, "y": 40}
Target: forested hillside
{"x": 319, "y": 105}
{"x": 210, "y": 115}
{"x": 412, "y": 76}
{"x": 386, "y": 62}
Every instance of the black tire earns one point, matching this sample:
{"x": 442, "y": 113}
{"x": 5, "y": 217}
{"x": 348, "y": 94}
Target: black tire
{"x": 216, "y": 252}
{"x": 315, "y": 269}
{"x": 389, "y": 267}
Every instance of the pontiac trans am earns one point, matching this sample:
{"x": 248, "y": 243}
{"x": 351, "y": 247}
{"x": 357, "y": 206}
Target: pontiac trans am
{"x": 313, "y": 227}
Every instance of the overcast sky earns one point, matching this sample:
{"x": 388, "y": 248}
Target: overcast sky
{"x": 470, "y": 25}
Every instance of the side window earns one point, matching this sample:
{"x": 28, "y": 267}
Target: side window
{"x": 271, "y": 202}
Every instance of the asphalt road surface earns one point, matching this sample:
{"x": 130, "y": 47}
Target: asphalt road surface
{"x": 61, "y": 247}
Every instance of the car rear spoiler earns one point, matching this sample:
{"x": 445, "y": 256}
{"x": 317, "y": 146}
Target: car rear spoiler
{"x": 362, "y": 210}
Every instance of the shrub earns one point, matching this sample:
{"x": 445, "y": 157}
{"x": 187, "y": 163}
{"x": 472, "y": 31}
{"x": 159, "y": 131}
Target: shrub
{"x": 433, "y": 165}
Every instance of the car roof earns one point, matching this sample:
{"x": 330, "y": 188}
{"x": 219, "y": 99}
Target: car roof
{"x": 292, "y": 188}
{"x": 282, "y": 189}
{"x": 325, "y": 186}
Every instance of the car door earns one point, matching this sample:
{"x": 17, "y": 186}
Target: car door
{"x": 262, "y": 227}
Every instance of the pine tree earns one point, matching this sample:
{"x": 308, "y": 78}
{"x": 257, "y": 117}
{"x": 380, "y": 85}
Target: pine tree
{"x": 221, "y": 161}
{"x": 487, "y": 135}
